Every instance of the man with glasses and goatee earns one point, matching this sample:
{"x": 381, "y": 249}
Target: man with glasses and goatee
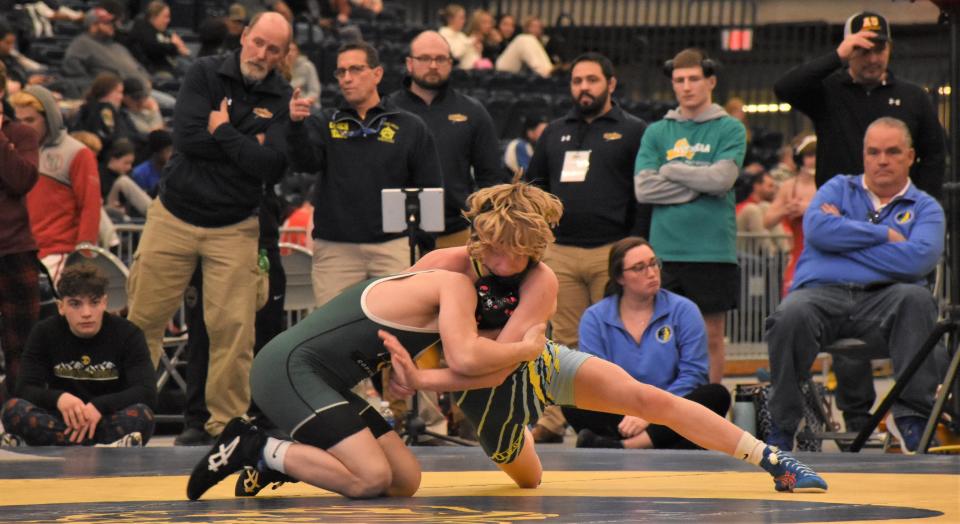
{"x": 359, "y": 148}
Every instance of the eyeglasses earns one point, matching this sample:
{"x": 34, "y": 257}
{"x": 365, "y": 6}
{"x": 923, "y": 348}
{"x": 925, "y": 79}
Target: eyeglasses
{"x": 655, "y": 263}
{"x": 427, "y": 60}
{"x": 341, "y": 72}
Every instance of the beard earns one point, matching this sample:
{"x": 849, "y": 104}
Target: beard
{"x": 432, "y": 84}
{"x": 253, "y": 72}
{"x": 594, "y": 107}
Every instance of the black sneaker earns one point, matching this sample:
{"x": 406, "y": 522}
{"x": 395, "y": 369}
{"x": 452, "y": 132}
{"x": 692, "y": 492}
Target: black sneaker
{"x": 192, "y": 436}
{"x": 238, "y": 446}
{"x": 252, "y": 480}
{"x": 588, "y": 439}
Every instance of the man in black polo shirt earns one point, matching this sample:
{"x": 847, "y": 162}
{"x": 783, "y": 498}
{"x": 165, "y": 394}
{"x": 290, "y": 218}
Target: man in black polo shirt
{"x": 847, "y": 89}
{"x": 229, "y": 144}
{"x": 462, "y": 128}
{"x": 586, "y": 158}
{"x": 359, "y": 149}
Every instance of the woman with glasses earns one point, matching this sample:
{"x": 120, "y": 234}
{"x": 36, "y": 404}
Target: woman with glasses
{"x": 657, "y": 337}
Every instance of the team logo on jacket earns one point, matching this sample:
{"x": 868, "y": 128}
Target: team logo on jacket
{"x": 388, "y": 132}
{"x": 683, "y": 149}
{"x": 904, "y": 216}
{"x": 609, "y": 137}
{"x": 339, "y": 129}
{"x": 263, "y": 112}
{"x": 106, "y": 115}
{"x": 664, "y": 334}
{"x": 457, "y": 117}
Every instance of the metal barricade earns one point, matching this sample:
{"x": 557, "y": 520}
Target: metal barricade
{"x": 763, "y": 260}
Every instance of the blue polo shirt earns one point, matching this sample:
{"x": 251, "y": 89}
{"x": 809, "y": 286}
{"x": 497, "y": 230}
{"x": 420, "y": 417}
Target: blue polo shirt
{"x": 672, "y": 353}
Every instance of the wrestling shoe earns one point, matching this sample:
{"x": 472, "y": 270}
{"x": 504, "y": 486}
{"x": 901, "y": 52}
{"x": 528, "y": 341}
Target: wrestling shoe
{"x": 237, "y": 447}
{"x": 130, "y": 440}
{"x": 789, "y": 474}
{"x": 252, "y": 480}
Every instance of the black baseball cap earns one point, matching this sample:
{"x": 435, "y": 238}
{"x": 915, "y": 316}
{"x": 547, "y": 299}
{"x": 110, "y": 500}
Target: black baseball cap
{"x": 869, "y": 21}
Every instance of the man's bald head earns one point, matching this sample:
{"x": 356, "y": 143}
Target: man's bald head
{"x": 430, "y": 62}
{"x": 264, "y": 44}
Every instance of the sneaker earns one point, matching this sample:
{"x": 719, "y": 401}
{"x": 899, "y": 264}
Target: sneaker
{"x": 779, "y": 438}
{"x": 9, "y": 440}
{"x": 238, "y": 446}
{"x": 908, "y": 430}
{"x": 193, "y": 437}
{"x": 130, "y": 440}
{"x": 252, "y": 480}
{"x": 588, "y": 439}
{"x": 789, "y": 474}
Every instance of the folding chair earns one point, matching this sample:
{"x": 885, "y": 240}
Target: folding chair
{"x": 298, "y": 266}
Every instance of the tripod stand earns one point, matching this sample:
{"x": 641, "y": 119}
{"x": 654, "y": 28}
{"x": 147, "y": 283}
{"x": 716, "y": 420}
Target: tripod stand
{"x": 414, "y": 426}
{"x": 949, "y": 327}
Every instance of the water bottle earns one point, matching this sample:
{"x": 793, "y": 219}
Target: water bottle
{"x": 387, "y": 413}
{"x": 263, "y": 261}
{"x": 744, "y": 412}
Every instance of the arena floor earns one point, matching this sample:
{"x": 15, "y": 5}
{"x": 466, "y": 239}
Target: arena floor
{"x": 460, "y": 486}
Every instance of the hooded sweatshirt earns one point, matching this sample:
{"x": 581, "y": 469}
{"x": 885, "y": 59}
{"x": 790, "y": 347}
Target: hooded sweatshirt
{"x": 65, "y": 203}
{"x": 687, "y": 168}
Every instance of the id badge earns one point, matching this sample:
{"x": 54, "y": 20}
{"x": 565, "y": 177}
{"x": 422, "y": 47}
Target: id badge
{"x": 575, "y": 166}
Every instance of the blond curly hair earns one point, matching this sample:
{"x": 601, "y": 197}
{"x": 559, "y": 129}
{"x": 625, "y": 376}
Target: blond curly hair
{"x": 517, "y": 217}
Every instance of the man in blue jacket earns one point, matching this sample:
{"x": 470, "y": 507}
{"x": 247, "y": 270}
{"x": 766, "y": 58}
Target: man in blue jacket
{"x": 871, "y": 240}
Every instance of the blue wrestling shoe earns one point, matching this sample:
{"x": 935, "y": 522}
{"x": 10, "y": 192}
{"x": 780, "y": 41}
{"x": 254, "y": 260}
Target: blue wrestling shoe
{"x": 789, "y": 474}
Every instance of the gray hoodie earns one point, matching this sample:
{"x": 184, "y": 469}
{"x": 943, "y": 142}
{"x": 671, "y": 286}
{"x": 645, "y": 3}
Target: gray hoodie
{"x": 57, "y": 148}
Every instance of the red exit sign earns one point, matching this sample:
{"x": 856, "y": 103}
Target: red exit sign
{"x": 737, "y": 39}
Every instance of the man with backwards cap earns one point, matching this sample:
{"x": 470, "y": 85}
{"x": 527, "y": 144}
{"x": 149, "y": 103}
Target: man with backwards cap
{"x": 844, "y": 91}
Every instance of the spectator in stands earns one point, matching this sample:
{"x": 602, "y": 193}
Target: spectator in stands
{"x": 506, "y": 29}
{"x": 687, "y": 166}
{"x": 657, "y": 337}
{"x": 102, "y": 112}
{"x": 361, "y": 147}
{"x": 325, "y": 13}
{"x": 206, "y": 212}
{"x": 152, "y": 40}
{"x": 464, "y": 49}
{"x": 519, "y": 150}
{"x": 19, "y": 292}
{"x": 870, "y": 243}
{"x": 64, "y": 205}
{"x": 526, "y": 51}
{"x": 586, "y": 158}
{"x": 785, "y": 167}
{"x": 21, "y": 71}
{"x": 123, "y": 197}
{"x": 160, "y": 148}
{"x": 461, "y": 127}
{"x": 845, "y": 90}
{"x": 140, "y": 107}
{"x": 792, "y": 200}
{"x": 86, "y": 377}
{"x": 750, "y": 213}
{"x": 303, "y": 74}
{"x": 42, "y": 16}
{"x": 484, "y": 36}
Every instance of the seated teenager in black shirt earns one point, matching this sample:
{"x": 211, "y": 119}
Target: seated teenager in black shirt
{"x": 86, "y": 376}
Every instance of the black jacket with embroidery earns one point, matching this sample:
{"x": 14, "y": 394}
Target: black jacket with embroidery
{"x": 465, "y": 138}
{"x": 841, "y": 111}
{"x": 216, "y": 180}
{"x": 390, "y": 149}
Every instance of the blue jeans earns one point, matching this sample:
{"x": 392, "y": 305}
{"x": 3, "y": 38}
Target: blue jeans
{"x": 811, "y": 318}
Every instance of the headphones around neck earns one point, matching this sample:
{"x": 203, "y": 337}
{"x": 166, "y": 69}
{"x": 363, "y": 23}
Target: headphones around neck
{"x": 709, "y": 65}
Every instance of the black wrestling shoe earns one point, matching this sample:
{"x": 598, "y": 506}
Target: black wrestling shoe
{"x": 237, "y": 447}
{"x": 252, "y": 481}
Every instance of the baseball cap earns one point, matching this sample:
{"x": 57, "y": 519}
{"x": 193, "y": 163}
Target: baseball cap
{"x": 870, "y": 21}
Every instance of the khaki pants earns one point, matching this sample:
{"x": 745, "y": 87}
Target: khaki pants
{"x": 166, "y": 257}
{"x": 339, "y": 265}
{"x": 582, "y": 273}
{"x": 458, "y": 239}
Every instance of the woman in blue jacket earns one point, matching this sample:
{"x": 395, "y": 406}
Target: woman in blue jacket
{"x": 656, "y": 336}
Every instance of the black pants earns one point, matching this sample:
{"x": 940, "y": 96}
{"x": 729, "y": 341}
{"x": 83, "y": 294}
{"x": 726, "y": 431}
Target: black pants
{"x": 269, "y": 323}
{"x": 39, "y": 427}
{"x": 714, "y": 396}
